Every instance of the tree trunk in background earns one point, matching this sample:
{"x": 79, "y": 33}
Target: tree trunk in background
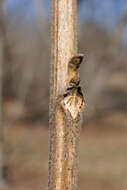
{"x": 1, "y": 99}
{"x": 65, "y": 103}
{"x": 1, "y": 114}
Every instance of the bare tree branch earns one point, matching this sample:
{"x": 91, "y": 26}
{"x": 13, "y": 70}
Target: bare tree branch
{"x": 66, "y": 99}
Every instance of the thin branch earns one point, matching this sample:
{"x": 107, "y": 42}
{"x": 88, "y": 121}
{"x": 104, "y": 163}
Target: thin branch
{"x": 66, "y": 99}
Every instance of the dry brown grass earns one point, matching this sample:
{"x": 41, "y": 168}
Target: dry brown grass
{"x": 103, "y": 154}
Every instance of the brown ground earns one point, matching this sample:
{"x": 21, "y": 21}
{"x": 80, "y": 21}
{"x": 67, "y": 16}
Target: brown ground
{"x": 103, "y": 155}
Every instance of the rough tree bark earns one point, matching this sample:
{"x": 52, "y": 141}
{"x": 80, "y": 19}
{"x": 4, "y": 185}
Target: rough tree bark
{"x": 66, "y": 98}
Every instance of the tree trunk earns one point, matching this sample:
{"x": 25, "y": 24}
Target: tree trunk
{"x": 1, "y": 100}
{"x": 66, "y": 99}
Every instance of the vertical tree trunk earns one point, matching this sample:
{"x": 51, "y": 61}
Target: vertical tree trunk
{"x": 66, "y": 99}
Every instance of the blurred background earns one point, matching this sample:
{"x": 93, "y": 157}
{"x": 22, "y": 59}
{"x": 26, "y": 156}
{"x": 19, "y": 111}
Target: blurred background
{"x": 24, "y": 93}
